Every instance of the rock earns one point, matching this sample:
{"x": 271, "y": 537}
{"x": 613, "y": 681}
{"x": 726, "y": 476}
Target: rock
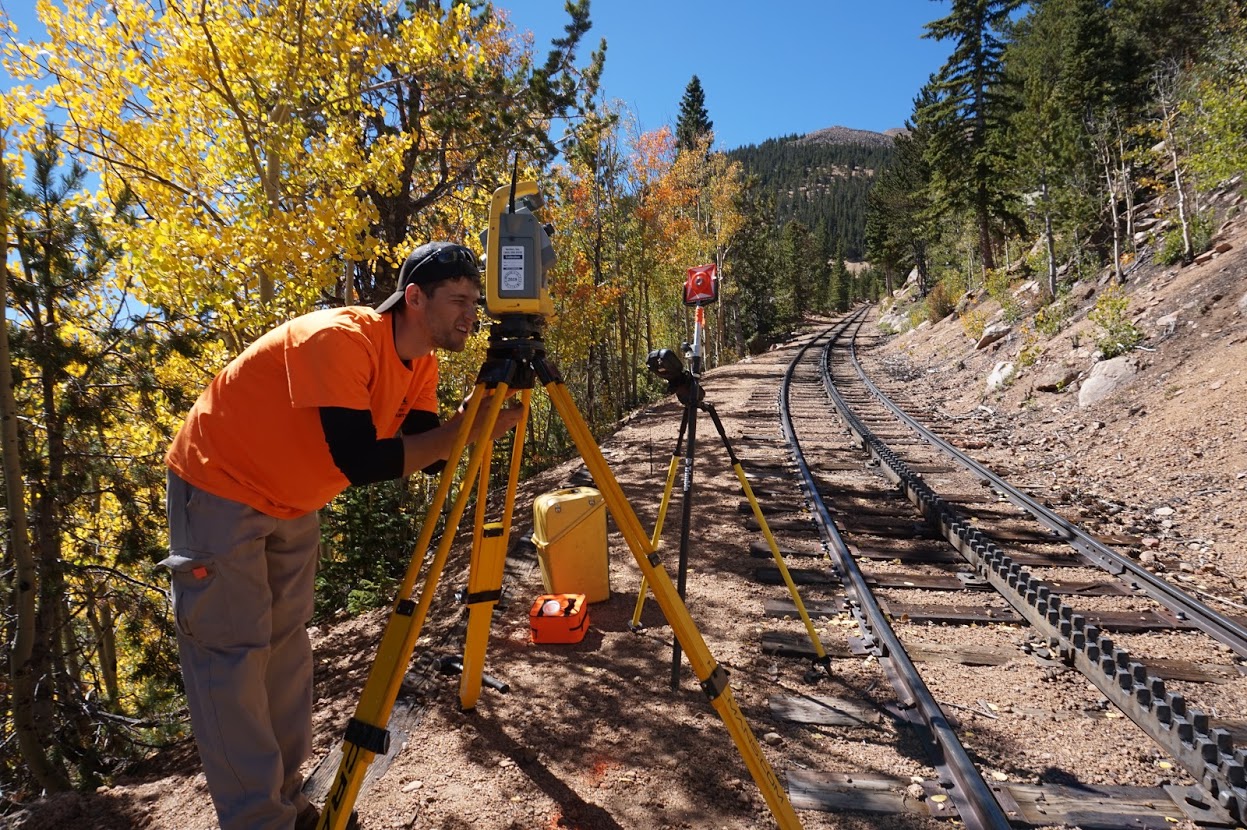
{"x": 1162, "y": 512}
{"x": 1147, "y": 558}
{"x": 773, "y": 738}
{"x": 1000, "y": 376}
{"x": 1222, "y": 247}
{"x": 1058, "y": 381}
{"x": 1242, "y": 303}
{"x": 1151, "y": 542}
{"x": 1169, "y": 322}
{"x": 1206, "y": 256}
{"x": 1104, "y": 379}
{"x": 1082, "y": 290}
{"x": 993, "y": 333}
{"x": 1028, "y": 287}
{"x": 916, "y": 792}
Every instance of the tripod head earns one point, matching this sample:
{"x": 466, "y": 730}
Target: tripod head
{"x": 667, "y": 365}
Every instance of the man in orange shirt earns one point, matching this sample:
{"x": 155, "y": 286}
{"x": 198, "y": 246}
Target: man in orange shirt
{"x": 333, "y": 398}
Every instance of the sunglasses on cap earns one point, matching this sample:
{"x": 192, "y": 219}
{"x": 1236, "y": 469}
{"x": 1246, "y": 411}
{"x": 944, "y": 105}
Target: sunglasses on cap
{"x": 455, "y": 254}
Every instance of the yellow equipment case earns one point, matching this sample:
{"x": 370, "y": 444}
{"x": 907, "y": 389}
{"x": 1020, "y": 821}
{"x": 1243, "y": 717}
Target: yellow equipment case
{"x": 569, "y": 530}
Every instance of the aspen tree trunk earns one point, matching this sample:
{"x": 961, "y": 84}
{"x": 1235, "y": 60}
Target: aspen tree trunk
{"x": 1188, "y": 250}
{"x": 1166, "y": 83}
{"x": 1049, "y": 242}
{"x": 1127, "y": 188}
{"x": 1112, "y": 217}
{"x": 31, "y": 737}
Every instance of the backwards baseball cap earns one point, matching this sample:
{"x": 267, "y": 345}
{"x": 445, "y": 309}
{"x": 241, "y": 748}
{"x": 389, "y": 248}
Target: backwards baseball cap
{"x": 432, "y": 262}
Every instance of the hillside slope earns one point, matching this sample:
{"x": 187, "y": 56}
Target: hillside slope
{"x": 1160, "y": 461}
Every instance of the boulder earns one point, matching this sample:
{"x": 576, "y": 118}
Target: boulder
{"x": 1082, "y": 290}
{"x": 1000, "y": 376}
{"x": 1104, "y": 379}
{"x": 1242, "y": 303}
{"x": 993, "y": 333}
{"x": 1058, "y": 380}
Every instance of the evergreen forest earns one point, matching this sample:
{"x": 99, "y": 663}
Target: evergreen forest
{"x": 178, "y": 178}
{"x": 821, "y": 184}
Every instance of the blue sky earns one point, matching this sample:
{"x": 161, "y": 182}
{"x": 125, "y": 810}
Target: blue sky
{"x": 767, "y": 68}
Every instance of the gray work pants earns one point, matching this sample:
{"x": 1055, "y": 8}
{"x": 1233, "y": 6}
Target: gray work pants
{"x": 242, "y": 596}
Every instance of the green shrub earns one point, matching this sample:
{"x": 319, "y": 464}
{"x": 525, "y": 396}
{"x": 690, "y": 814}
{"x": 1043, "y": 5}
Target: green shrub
{"x": 1031, "y": 348}
{"x": 1111, "y": 315}
{"x": 973, "y": 322}
{"x": 1050, "y": 319}
{"x": 1201, "y": 237}
{"x": 999, "y": 288}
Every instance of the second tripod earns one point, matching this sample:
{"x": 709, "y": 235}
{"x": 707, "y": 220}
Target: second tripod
{"x": 688, "y": 390}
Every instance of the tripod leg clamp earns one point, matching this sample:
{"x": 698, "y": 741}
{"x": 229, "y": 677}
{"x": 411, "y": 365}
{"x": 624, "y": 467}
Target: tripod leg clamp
{"x": 366, "y": 736}
{"x": 714, "y": 685}
{"x": 482, "y": 596}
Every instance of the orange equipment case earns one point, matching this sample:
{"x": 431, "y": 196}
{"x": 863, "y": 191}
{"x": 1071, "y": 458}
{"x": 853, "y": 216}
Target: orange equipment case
{"x": 569, "y": 530}
{"x": 567, "y": 626}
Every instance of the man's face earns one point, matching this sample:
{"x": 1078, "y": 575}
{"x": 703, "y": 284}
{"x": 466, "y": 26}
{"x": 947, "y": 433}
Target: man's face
{"x": 451, "y": 313}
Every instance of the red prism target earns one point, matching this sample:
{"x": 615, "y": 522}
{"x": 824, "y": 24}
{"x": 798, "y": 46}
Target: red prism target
{"x": 701, "y": 286}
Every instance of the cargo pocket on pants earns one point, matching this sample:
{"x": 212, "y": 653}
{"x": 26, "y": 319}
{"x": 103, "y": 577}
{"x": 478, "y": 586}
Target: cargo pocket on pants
{"x": 195, "y": 589}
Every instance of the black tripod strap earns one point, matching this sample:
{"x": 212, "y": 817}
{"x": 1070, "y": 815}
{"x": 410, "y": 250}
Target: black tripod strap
{"x": 366, "y": 736}
{"x": 482, "y": 596}
{"x": 714, "y": 685}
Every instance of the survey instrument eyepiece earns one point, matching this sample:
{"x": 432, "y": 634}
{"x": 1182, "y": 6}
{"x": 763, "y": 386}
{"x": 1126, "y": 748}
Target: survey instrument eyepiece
{"x": 667, "y": 365}
{"x": 518, "y": 253}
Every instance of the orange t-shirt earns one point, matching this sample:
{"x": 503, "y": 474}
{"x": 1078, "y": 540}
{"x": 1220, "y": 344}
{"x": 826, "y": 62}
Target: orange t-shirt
{"x": 255, "y": 436}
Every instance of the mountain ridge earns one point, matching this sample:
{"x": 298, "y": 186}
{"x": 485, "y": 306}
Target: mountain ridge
{"x": 838, "y": 134}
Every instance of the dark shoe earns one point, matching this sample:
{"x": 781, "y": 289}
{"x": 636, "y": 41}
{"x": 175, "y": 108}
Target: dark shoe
{"x": 310, "y": 817}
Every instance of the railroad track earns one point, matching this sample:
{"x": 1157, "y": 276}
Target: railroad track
{"x": 1012, "y": 643}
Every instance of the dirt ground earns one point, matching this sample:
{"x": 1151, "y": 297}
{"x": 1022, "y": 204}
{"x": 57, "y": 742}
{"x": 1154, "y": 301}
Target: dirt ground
{"x": 590, "y": 735}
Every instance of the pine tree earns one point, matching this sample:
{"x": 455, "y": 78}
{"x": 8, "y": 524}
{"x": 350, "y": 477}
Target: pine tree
{"x": 900, "y": 210}
{"x": 968, "y": 113}
{"x": 694, "y": 121}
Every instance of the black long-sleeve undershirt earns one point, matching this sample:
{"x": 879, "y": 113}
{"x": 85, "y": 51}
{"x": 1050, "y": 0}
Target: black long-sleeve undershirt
{"x": 360, "y": 455}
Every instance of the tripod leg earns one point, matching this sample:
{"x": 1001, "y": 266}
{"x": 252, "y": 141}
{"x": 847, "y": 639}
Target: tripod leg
{"x": 366, "y": 735}
{"x": 712, "y": 676}
{"x": 489, "y": 554}
{"x": 823, "y": 660}
{"x": 662, "y": 515}
{"x": 686, "y": 511}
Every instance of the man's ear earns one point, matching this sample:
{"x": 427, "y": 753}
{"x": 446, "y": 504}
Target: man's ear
{"x": 414, "y": 296}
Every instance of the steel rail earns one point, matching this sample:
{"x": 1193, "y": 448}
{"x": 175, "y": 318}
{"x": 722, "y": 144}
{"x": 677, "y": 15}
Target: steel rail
{"x": 1208, "y": 754}
{"x": 972, "y": 796}
{"x": 1208, "y": 620}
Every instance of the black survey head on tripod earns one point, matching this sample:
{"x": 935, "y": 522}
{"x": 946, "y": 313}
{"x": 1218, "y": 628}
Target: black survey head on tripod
{"x": 667, "y": 365}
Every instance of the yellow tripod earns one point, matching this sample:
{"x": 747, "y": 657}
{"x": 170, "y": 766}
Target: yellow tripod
{"x": 515, "y": 361}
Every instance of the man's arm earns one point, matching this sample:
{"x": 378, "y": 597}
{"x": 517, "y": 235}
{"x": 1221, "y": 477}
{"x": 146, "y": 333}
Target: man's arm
{"x": 430, "y": 446}
{"x": 423, "y": 445}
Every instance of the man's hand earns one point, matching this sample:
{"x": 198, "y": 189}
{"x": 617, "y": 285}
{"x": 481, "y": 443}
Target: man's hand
{"x": 508, "y": 416}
